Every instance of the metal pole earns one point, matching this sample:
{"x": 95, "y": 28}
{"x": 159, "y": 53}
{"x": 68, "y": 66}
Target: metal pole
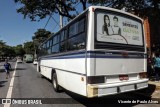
{"x": 61, "y": 17}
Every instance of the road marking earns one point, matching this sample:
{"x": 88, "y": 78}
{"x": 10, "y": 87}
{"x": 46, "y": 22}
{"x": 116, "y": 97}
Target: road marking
{"x": 9, "y": 93}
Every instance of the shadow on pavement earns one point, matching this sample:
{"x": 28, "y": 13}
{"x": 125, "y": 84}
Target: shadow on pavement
{"x": 17, "y": 76}
{"x": 111, "y": 100}
{"x": 2, "y": 70}
{"x": 147, "y": 91}
{"x": 2, "y": 82}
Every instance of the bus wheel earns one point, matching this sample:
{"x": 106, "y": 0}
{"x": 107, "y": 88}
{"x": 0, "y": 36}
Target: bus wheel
{"x": 55, "y": 83}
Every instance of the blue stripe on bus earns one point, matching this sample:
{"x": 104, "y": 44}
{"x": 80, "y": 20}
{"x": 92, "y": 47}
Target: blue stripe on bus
{"x": 102, "y": 52}
{"x": 96, "y": 54}
{"x": 129, "y": 57}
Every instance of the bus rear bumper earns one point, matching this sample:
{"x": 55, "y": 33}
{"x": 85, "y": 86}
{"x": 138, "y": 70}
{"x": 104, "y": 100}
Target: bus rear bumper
{"x": 98, "y": 90}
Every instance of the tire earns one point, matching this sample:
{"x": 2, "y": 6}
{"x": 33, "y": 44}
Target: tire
{"x": 55, "y": 83}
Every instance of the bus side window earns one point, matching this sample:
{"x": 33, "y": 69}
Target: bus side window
{"x": 77, "y": 42}
{"x": 77, "y": 37}
{"x": 55, "y": 48}
{"x": 63, "y": 41}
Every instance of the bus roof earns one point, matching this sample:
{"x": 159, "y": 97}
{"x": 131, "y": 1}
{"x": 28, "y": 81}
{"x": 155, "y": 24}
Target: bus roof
{"x": 116, "y": 10}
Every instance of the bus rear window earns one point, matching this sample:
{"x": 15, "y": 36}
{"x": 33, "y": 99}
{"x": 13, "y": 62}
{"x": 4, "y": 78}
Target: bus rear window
{"x": 116, "y": 28}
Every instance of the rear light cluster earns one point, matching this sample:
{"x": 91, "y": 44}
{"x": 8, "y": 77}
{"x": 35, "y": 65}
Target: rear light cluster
{"x": 142, "y": 75}
{"x": 123, "y": 77}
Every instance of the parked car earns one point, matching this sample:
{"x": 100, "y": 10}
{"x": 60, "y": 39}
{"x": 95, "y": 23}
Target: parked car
{"x": 19, "y": 60}
{"x": 35, "y": 62}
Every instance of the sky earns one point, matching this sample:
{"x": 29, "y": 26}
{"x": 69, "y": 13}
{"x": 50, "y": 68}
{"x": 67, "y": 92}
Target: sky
{"x": 15, "y": 30}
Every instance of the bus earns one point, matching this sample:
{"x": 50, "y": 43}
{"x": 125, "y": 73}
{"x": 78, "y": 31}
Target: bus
{"x": 100, "y": 52}
{"x": 28, "y": 58}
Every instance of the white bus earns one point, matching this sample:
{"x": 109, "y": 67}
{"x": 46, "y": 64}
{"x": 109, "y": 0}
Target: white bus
{"x": 100, "y": 52}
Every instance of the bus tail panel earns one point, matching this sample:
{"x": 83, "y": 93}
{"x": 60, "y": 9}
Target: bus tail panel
{"x": 113, "y": 63}
{"x": 98, "y": 90}
{"x": 115, "y": 73}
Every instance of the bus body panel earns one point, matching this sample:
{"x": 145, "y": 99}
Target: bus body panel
{"x": 90, "y": 32}
{"x": 116, "y": 65}
{"x": 70, "y": 73}
{"x": 46, "y": 71}
{"x": 73, "y": 82}
{"x": 76, "y": 65}
{"x": 91, "y": 66}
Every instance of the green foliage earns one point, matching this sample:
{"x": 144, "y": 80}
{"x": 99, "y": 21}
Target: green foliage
{"x": 19, "y": 51}
{"x": 40, "y": 36}
{"x": 29, "y": 47}
{"x": 39, "y": 9}
{"x": 2, "y": 43}
{"x": 142, "y": 8}
{"x": 5, "y": 50}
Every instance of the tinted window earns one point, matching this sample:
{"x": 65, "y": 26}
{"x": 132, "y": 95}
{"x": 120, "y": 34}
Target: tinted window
{"x": 77, "y": 42}
{"x": 62, "y": 35}
{"x": 63, "y": 46}
{"x": 77, "y": 28}
{"x": 50, "y": 42}
{"x": 73, "y": 29}
{"x": 47, "y": 44}
{"x": 81, "y": 26}
{"x": 55, "y": 48}
{"x": 44, "y": 46}
{"x": 55, "y": 39}
{"x": 49, "y": 51}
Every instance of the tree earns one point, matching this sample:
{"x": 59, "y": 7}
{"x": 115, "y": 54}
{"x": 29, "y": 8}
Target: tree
{"x": 42, "y": 8}
{"x": 29, "y": 47}
{"x": 8, "y": 51}
{"x": 19, "y": 51}
{"x": 41, "y": 35}
{"x": 142, "y": 8}
{"x": 2, "y": 45}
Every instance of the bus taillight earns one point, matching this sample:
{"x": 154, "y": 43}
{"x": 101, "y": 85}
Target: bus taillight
{"x": 123, "y": 77}
{"x": 142, "y": 75}
{"x": 92, "y": 9}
